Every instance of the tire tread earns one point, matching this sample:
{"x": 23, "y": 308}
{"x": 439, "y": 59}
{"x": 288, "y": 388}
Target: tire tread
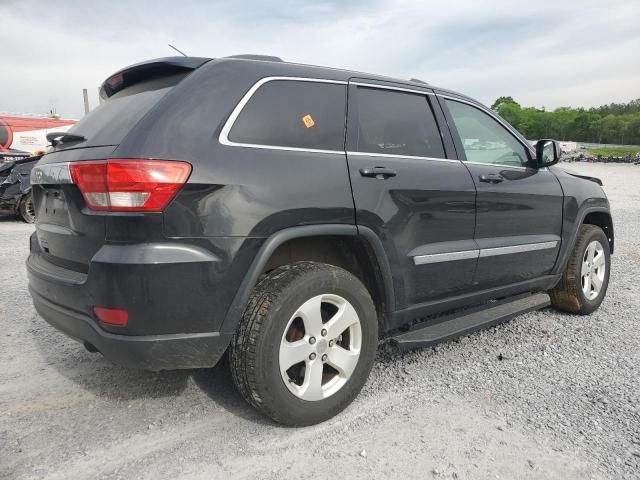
{"x": 563, "y": 295}
{"x": 243, "y": 352}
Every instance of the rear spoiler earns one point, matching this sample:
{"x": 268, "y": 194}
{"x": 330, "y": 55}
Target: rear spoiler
{"x": 144, "y": 70}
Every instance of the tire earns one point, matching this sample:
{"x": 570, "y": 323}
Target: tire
{"x": 26, "y": 208}
{"x": 279, "y": 316}
{"x": 570, "y": 294}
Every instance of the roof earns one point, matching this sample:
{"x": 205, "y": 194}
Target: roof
{"x": 317, "y": 71}
{"x": 273, "y": 65}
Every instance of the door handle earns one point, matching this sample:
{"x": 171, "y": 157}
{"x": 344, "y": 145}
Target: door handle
{"x": 381, "y": 173}
{"x": 491, "y": 178}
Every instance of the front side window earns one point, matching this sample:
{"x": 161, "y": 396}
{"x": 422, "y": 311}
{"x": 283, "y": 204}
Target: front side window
{"x": 298, "y": 114}
{"x": 484, "y": 139}
{"x": 397, "y": 123}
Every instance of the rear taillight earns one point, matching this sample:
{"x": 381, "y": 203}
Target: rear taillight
{"x": 129, "y": 185}
{"x": 118, "y": 317}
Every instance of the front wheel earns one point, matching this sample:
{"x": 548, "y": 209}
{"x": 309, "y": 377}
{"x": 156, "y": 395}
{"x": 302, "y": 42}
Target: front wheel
{"x": 305, "y": 344}
{"x": 584, "y": 282}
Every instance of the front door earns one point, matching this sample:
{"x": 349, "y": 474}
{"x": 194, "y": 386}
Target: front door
{"x": 519, "y": 208}
{"x": 418, "y": 202}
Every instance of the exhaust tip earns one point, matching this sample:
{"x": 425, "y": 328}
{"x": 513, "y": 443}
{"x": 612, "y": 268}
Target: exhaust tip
{"x": 90, "y": 347}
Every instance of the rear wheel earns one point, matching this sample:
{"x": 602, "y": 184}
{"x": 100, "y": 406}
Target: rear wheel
{"x": 585, "y": 280}
{"x": 26, "y": 208}
{"x": 305, "y": 344}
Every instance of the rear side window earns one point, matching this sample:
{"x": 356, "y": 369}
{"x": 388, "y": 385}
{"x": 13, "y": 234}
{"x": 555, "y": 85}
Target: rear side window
{"x": 397, "y": 123}
{"x": 288, "y": 113}
{"x": 110, "y": 122}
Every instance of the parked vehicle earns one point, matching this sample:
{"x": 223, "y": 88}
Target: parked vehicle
{"x": 27, "y": 133}
{"x": 292, "y": 216}
{"x": 15, "y": 188}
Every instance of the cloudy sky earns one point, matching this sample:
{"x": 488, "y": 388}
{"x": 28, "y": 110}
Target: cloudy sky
{"x": 543, "y": 53}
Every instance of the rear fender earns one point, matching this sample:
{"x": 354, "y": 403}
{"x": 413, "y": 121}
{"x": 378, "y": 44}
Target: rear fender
{"x": 252, "y": 276}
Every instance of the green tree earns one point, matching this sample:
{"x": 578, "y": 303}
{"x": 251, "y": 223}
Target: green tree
{"x": 582, "y": 128}
{"x": 511, "y": 112}
{"x": 613, "y": 123}
{"x": 501, "y": 100}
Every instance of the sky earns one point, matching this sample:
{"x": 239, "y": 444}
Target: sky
{"x": 577, "y": 53}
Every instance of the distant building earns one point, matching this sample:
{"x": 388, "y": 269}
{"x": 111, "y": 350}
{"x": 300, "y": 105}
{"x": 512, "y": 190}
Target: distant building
{"x": 27, "y": 133}
{"x": 568, "y": 146}
{"x": 565, "y": 146}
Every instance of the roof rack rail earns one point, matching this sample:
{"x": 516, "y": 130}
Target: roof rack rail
{"x": 250, "y": 56}
{"x": 417, "y": 80}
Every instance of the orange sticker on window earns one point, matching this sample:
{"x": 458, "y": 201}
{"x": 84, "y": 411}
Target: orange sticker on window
{"x": 308, "y": 120}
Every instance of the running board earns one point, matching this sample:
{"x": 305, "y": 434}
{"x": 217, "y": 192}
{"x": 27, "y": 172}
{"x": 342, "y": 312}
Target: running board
{"x": 469, "y": 320}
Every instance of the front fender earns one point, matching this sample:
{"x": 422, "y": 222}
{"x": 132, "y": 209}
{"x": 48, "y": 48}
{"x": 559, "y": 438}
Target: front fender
{"x": 582, "y": 197}
{"x": 569, "y": 237}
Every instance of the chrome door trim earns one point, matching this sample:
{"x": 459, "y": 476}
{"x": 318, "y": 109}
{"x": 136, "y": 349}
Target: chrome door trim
{"x": 483, "y": 252}
{"x": 446, "y": 257}
{"x": 528, "y": 247}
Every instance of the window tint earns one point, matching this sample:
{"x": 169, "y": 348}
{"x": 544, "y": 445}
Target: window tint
{"x": 397, "y": 123}
{"x": 484, "y": 139}
{"x": 112, "y": 120}
{"x": 289, "y": 113}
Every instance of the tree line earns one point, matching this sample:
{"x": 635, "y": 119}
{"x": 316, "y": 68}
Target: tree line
{"x": 617, "y": 123}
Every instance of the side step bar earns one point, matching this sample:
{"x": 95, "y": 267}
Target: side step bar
{"x": 469, "y": 320}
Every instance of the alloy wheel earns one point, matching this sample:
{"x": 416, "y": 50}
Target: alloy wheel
{"x": 593, "y": 270}
{"x": 320, "y": 347}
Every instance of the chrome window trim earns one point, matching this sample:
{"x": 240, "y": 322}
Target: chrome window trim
{"x": 410, "y": 157}
{"x": 388, "y": 87}
{"x": 483, "y": 252}
{"x": 223, "y": 138}
{"x": 544, "y": 169}
{"x": 528, "y": 247}
{"x": 51, "y": 174}
{"x": 508, "y": 127}
{"x": 515, "y": 167}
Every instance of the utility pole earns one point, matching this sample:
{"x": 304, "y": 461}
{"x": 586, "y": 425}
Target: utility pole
{"x": 85, "y": 94}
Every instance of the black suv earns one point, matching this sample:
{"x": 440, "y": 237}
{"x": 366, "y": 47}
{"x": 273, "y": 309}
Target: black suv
{"x": 295, "y": 215}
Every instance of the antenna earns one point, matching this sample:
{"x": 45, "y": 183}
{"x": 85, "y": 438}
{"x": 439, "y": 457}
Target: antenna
{"x": 180, "y": 52}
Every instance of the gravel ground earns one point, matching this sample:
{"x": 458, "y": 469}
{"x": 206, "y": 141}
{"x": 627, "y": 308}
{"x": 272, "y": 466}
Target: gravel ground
{"x": 547, "y": 395}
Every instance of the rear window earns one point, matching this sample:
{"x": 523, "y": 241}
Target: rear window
{"x": 288, "y": 113}
{"x": 397, "y": 123}
{"x": 110, "y": 122}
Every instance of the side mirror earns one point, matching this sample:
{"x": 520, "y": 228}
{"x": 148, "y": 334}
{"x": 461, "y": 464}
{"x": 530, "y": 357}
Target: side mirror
{"x": 548, "y": 153}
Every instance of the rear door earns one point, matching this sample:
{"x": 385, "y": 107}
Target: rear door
{"x": 419, "y": 203}
{"x": 519, "y": 208}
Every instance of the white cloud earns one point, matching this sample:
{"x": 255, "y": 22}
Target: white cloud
{"x": 579, "y": 53}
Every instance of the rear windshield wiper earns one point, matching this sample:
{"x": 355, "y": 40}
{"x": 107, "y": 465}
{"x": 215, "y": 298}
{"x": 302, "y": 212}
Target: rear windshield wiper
{"x": 63, "y": 137}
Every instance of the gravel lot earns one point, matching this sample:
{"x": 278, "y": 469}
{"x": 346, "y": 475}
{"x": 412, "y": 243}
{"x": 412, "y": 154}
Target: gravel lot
{"x": 546, "y": 396}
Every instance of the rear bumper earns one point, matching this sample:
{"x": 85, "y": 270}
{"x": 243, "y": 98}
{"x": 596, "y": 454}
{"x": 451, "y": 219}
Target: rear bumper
{"x": 148, "y": 352}
{"x": 176, "y": 295}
